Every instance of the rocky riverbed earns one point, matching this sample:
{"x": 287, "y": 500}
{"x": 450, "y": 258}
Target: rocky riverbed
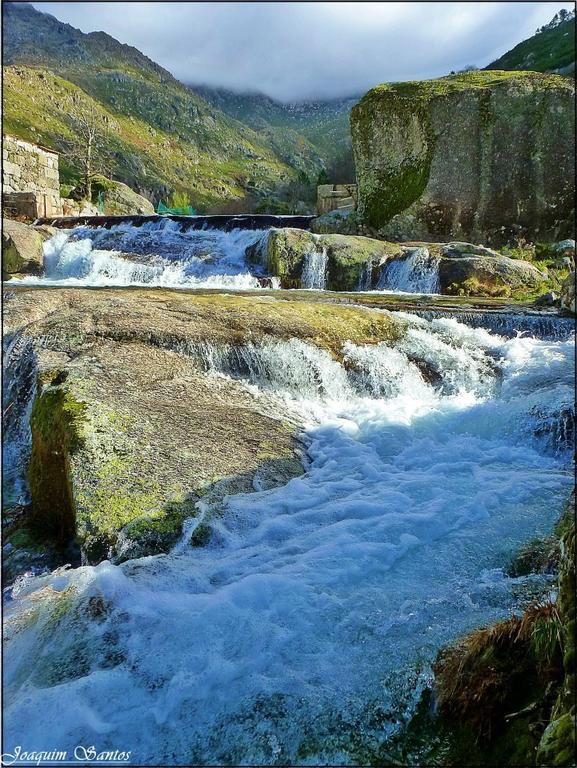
{"x": 266, "y": 485}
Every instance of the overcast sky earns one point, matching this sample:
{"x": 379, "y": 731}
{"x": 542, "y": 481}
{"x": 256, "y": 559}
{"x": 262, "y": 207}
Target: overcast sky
{"x": 295, "y": 51}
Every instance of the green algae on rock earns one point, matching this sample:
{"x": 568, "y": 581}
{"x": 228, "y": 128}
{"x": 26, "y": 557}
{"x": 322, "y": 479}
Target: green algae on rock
{"x": 348, "y": 256}
{"x": 128, "y": 431}
{"x": 481, "y": 155}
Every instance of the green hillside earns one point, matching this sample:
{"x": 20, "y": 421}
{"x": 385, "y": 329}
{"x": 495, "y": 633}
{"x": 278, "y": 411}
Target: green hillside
{"x": 164, "y": 137}
{"x": 552, "y": 49}
{"x": 323, "y": 125}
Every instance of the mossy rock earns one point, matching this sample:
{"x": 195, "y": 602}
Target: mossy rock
{"x": 119, "y": 199}
{"x": 349, "y": 257}
{"x": 557, "y": 745}
{"x": 468, "y": 156}
{"x": 21, "y": 249}
{"x": 128, "y": 431}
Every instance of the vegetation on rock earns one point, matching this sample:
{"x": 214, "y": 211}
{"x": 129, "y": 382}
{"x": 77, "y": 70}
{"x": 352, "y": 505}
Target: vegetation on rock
{"x": 129, "y": 433}
{"x": 510, "y": 139}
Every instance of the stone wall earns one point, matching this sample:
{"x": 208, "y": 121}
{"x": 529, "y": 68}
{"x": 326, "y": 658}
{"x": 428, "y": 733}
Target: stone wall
{"x": 481, "y": 157}
{"x": 331, "y": 197}
{"x": 30, "y": 176}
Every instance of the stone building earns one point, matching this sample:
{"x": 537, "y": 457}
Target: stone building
{"x": 30, "y": 179}
{"x": 332, "y": 197}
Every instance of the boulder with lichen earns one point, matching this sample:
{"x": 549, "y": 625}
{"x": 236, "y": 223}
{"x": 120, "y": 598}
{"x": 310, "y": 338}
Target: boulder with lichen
{"x": 481, "y": 155}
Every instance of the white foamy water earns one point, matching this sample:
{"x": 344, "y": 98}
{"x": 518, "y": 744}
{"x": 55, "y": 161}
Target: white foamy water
{"x": 314, "y": 273}
{"x": 416, "y": 273}
{"x": 155, "y": 254}
{"x": 314, "y": 612}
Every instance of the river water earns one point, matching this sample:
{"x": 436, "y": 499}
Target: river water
{"x": 165, "y": 254}
{"x": 304, "y": 631}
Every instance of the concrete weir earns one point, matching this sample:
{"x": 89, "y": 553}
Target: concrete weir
{"x": 224, "y": 222}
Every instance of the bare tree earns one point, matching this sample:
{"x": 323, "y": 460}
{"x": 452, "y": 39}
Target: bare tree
{"x": 88, "y": 150}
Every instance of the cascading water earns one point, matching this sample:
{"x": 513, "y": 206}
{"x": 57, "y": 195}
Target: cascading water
{"x": 304, "y": 630}
{"x": 511, "y": 324}
{"x": 314, "y": 274}
{"x": 416, "y": 273}
{"x": 154, "y": 254}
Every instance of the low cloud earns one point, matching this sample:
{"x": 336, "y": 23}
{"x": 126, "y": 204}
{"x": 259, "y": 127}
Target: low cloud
{"x": 297, "y": 51}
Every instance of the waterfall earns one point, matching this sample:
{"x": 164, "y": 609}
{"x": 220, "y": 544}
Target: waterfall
{"x": 418, "y": 272}
{"x": 160, "y": 253}
{"x": 430, "y": 463}
{"x": 314, "y": 274}
{"x": 365, "y": 276}
{"x": 292, "y": 367}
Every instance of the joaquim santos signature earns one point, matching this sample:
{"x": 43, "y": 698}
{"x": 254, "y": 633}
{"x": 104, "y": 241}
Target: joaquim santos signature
{"x": 80, "y": 755}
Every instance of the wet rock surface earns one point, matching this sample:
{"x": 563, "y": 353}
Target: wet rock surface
{"x": 129, "y": 432}
{"x": 21, "y": 248}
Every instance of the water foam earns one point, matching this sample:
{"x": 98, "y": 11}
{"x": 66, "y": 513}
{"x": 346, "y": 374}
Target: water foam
{"x": 418, "y": 272}
{"x": 307, "y": 624}
{"x": 155, "y": 254}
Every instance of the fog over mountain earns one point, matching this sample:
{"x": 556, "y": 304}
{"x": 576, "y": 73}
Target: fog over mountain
{"x": 298, "y": 51}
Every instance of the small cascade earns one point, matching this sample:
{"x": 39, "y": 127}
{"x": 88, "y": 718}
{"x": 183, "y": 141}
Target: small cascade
{"x": 418, "y": 272}
{"x": 314, "y": 274}
{"x": 290, "y": 367}
{"x": 160, "y": 253}
{"x": 510, "y": 324}
{"x": 365, "y": 277}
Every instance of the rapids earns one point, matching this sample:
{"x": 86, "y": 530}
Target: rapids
{"x": 160, "y": 253}
{"x": 304, "y": 631}
{"x": 166, "y": 254}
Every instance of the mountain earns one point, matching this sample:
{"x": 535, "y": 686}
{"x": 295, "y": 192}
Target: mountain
{"x": 323, "y": 124}
{"x": 162, "y": 136}
{"x": 550, "y": 49}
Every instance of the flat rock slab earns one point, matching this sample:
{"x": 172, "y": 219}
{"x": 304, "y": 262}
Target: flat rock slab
{"x": 129, "y": 432}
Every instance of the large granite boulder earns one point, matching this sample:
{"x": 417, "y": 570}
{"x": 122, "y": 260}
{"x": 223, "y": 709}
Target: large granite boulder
{"x": 21, "y": 249}
{"x": 120, "y": 199}
{"x": 479, "y": 274}
{"x": 483, "y": 156}
{"x": 352, "y": 263}
{"x": 348, "y": 261}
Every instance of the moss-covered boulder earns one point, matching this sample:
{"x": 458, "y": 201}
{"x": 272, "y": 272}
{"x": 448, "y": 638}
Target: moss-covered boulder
{"x": 129, "y": 431}
{"x": 468, "y": 273}
{"x": 119, "y": 199}
{"x": 21, "y": 248}
{"x": 349, "y": 259}
{"x": 482, "y": 155}
{"x": 353, "y": 263}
